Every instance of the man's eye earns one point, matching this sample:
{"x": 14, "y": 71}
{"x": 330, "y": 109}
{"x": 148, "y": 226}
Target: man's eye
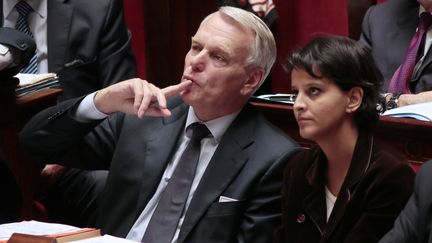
{"x": 196, "y": 48}
{"x": 217, "y": 57}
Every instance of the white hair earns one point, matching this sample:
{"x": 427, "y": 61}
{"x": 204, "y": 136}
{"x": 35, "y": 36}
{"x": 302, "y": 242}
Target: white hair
{"x": 263, "y": 51}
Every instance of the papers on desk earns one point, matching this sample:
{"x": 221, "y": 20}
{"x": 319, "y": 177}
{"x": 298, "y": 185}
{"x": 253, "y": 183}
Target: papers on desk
{"x": 36, "y": 231}
{"x": 276, "y": 98}
{"x": 421, "y": 111}
{"x": 30, "y": 83}
{"x": 34, "y": 228}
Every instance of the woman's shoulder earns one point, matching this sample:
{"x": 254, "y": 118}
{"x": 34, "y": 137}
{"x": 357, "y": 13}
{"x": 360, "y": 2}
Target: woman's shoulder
{"x": 302, "y": 160}
{"x": 384, "y": 156}
{"x": 388, "y": 164}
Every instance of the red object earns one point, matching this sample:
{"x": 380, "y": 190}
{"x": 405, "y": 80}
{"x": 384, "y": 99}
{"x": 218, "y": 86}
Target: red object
{"x": 135, "y": 19}
{"x": 298, "y": 22}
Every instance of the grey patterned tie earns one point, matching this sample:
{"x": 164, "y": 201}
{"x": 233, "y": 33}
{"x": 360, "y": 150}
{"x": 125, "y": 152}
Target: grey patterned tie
{"x": 22, "y": 25}
{"x": 165, "y": 219}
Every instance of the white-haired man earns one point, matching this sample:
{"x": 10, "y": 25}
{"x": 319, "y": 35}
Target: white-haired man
{"x": 233, "y": 194}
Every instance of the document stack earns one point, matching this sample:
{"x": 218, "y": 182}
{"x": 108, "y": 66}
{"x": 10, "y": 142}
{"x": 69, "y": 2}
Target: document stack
{"x": 41, "y": 232}
{"x": 30, "y": 83}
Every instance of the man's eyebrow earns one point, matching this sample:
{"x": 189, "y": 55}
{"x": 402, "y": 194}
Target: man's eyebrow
{"x": 220, "y": 49}
{"x": 193, "y": 40}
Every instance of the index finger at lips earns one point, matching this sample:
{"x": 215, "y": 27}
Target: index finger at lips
{"x": 176, "y": 89}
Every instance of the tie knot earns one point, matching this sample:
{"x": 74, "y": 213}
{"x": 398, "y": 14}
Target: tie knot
{"x": 425, "y": 21}
{"x": 23, "y": 8}
{"x": 199, "y": 131}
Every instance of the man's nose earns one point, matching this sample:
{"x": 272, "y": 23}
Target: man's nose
{"x": 198, "y": 62}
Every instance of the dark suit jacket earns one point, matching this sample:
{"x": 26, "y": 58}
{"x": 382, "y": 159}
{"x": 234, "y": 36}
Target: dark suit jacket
{"x": 414, "y": 224}
{"x": 10, "y": 204}
{"x": 88, "y": 44}
{"x": 247, "y": 166}
{"x": 375, "y": 189}
{"x": 387, "y": 31}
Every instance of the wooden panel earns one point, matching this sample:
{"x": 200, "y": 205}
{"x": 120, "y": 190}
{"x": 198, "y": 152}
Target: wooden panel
{"x": 24, "y": 169}
{"x": 169, "y": 28}
{"x": 356, "y": 11}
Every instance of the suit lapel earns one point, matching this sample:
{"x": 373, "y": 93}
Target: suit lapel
{"x": 159, "y": 149}
{"x": 226, "y": 162}
{"x": 58, "y": 30}
{"x": 401, "y": 36}
{"x": 427, "y": 60}
{"x": 314, "y": 202}
{"x": 360, "y": 163}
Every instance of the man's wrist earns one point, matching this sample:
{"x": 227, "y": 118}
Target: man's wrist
{"x": 87, "y": 111}
{"x": 393, "y": 102}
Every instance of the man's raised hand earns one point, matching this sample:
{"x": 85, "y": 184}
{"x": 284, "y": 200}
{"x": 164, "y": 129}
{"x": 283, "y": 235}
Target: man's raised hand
{"x": 137, "y": 97}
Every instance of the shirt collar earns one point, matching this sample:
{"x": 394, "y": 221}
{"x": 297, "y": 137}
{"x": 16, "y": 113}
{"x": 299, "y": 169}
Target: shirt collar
{"x": 39, "y": 6}
{"x": 216, "y": 126}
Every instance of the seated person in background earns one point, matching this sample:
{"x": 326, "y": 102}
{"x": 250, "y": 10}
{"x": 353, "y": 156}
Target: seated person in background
{"x": 414, "y": 224}
{"x": 350, "y": 188}
{"x": 16, "y": 49}
{"x": 402, "y": 54}
{"x": 10, "y": 204}
{"x": 88, "y": 44}
{"x": 151, "y": 194}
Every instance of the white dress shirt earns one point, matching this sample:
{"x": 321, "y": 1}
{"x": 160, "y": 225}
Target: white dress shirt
{"x": 87, "y": 111}
{"x": 330, "y": 201}
{"x": 38, "y": 25}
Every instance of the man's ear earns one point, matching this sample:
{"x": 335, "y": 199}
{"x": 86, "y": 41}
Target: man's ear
{"x": 355, "y": 97}
{"x": 252, "y": 83}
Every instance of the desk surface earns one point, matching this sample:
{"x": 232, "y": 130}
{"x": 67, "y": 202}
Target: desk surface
{"x": 411, "y": 137}
{"x": 40, "y": 95}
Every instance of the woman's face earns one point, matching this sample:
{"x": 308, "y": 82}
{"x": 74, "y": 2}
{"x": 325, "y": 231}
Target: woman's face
{"x": 320, "y": 108}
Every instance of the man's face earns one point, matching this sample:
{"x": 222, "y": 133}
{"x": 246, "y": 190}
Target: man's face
{"x": 215, "y": 65}
{"x": 427, "y": 4}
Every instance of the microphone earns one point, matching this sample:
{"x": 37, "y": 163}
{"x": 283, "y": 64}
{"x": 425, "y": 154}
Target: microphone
{"x": 21, "y": 47}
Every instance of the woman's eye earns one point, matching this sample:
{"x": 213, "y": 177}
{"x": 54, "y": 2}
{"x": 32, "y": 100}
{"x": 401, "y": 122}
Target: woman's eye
{"x": 294, "y": 94}
{"x": 314, "y": 91}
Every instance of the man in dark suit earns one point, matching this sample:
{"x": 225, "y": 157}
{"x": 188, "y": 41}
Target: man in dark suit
{"x": 87, "y": 43}
{"x": 414, "y": 224}
{"x": 387, "y": 31}
{"x": 15, "y": 51}
{"x": 235, "y": 193}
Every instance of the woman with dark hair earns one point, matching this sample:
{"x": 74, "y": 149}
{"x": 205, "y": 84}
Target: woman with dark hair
{"x": 349, "y": 188}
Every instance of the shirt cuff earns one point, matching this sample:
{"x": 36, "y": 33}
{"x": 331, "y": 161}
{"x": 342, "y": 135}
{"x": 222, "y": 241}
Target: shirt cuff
{"x": 87, "y": 110}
